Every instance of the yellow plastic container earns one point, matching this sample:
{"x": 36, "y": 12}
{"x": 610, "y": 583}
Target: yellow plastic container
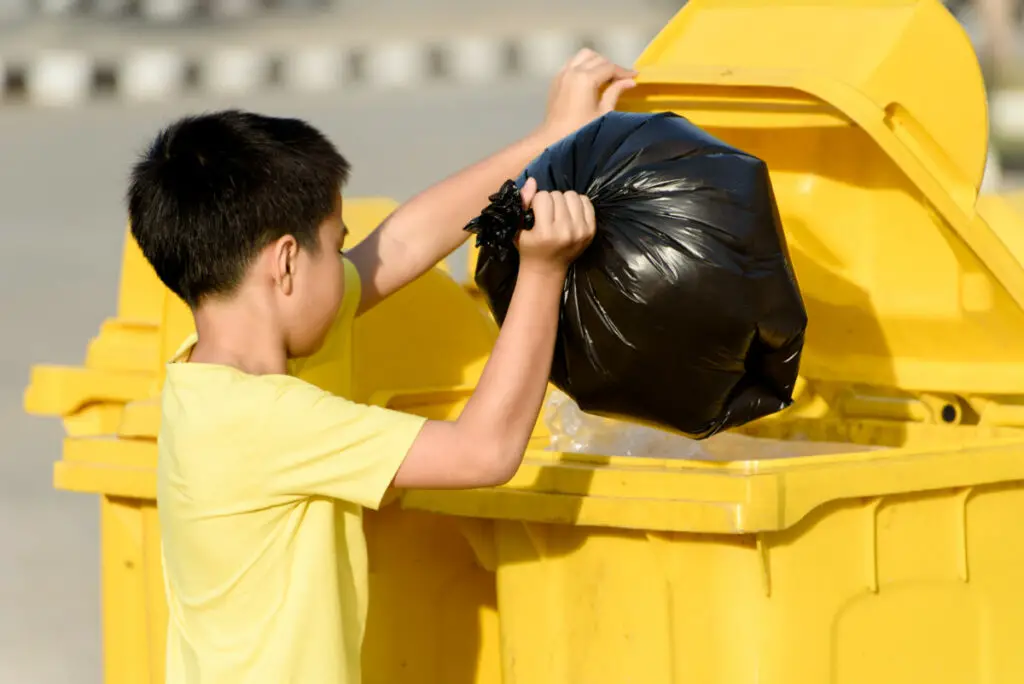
{"x": 119, "y": 364}
{"x": 432, "y": 616}
{"x": 889, "y": 566}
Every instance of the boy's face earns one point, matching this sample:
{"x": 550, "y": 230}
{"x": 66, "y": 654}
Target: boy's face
{"x": 319, "y": 288}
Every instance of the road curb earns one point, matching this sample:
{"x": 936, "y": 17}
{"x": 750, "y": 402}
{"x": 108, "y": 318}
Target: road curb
{"x": 146, "y": 73}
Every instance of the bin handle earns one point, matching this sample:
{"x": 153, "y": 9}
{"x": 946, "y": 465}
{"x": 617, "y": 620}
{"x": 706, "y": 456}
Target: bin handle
{"x": 64, "y": 390}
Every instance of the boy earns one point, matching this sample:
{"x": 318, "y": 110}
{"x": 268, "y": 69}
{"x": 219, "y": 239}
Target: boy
{"x": 262, "y": 477}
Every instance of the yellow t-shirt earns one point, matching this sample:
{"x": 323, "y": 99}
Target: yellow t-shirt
{"x": 260, "y": 486}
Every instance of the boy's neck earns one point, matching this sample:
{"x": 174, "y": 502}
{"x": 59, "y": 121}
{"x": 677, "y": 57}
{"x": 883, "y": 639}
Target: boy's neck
{"x": 239, "y": 334}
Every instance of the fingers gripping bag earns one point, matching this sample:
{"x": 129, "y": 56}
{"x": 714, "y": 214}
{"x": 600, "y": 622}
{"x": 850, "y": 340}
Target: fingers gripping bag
{"x": 684, "y": 313}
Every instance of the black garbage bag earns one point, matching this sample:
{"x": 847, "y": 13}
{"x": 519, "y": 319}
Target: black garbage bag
{"x": 684, "y": 312}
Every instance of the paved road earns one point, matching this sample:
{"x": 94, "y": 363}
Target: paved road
{"x": 61, "y": 181}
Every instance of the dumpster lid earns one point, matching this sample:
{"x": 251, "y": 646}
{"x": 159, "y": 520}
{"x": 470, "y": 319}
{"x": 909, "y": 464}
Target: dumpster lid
{"x": 876, "y": 171}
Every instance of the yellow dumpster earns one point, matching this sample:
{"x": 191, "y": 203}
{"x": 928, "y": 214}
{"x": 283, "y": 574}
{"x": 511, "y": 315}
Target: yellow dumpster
{"x": 119, "y": 363}
{"x": 432, "y": 617}
{"x": 894, "y": 565}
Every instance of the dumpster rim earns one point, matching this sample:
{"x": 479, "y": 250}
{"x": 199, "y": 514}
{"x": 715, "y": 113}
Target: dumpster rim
{"x": 756, "y": 496}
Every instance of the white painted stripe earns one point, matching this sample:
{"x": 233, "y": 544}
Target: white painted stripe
{"x": 396, "y": 63}
{"x": 59, "y": 78}
{"x": 314, "y": 69}
{"x": 152, "y": 74}
{"x": 235, "y": 70}
{"x": 476, "y": 59}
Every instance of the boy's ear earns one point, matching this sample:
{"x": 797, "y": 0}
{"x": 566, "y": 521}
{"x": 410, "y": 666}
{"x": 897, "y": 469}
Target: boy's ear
{"x": 284, "y": 260}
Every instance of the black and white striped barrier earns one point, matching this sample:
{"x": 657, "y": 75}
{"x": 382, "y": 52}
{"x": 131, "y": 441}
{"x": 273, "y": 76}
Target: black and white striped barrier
{"x": 65, "y": 77}
{"x": 156, "y": 12}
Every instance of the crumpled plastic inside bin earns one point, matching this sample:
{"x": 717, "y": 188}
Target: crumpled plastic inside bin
{"x": 573, "y": 431}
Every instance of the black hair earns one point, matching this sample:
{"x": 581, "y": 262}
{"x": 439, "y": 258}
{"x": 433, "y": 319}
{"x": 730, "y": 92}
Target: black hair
{"x": 212, "y": 191}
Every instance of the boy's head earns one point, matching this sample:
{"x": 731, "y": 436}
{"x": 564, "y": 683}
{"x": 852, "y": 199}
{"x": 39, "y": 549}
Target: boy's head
{"x": 233, "y": 201}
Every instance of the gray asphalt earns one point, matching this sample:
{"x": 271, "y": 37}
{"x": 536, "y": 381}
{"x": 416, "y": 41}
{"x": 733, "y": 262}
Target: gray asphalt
{"x": 61, "y": 218}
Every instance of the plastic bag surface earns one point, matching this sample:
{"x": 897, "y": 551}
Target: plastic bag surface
{"x": 684, "y": 313}
{"x": 575, "y": 432}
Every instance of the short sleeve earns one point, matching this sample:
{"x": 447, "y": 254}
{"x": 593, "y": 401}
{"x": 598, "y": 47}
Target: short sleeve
{"x": 336, "y": 448}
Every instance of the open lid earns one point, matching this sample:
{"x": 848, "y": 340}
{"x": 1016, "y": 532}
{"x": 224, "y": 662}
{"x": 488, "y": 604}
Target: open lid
{"x": 872, "y": 118}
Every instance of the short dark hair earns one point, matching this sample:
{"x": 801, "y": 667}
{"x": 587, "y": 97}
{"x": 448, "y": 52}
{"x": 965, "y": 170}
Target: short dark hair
{"x": 212, "y": 191}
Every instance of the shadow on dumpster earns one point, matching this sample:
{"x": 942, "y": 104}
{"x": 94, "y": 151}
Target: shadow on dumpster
{"x": 433, "y": 616}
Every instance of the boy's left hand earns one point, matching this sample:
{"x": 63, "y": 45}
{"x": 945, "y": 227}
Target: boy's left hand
{"x": 587, "y": 87}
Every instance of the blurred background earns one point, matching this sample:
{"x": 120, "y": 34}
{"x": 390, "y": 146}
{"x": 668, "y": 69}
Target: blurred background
{"x": 409, "y": 90}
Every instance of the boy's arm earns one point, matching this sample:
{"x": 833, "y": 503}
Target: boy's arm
{"x": 485, "y": 446}
{"x": 429, "y": 227}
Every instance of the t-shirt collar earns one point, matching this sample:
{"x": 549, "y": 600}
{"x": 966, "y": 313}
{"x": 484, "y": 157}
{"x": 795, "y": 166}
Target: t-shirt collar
{"x": 185, "y": 350}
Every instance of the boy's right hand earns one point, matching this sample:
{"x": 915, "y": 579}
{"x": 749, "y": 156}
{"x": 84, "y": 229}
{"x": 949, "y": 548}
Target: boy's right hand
{"x": 485, "y": 445}
{"x": 563, "y": 227}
